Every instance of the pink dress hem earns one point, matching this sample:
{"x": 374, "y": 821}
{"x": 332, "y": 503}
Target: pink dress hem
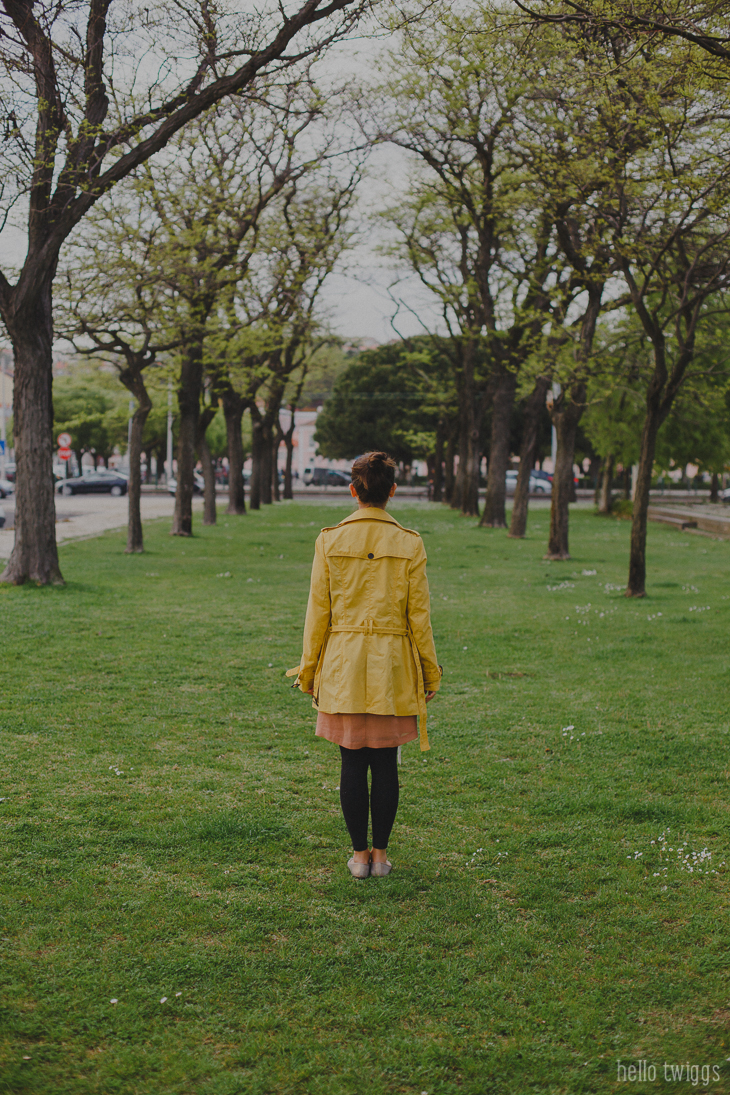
{"x": 358, "y": 731}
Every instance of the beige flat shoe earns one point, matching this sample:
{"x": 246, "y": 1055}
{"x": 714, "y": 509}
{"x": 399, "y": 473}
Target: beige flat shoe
{"x": 358, "y": 870}
{"x": 380, "y": 870}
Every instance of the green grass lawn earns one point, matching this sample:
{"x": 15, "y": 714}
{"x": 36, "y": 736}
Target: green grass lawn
{"x": 176, "y": 911}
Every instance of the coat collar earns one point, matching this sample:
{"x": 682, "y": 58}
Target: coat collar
{"x": 370, "y": 513}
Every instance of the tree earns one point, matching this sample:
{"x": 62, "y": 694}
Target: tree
{"x": 111, "y": 306}
{"x": 159, "y": 255}
{"x": 389, "y": 399}
{"x": 662, "y": 140}
{"x": 272, "y": 324}
{"x": 697, "y": 429}
{"x": 78, "y": 121}
{"x": 207, "y": 211}
{"x": 696, "y": 23}
{"x": 474, "y": 226}
{"x": 672, "y": 244}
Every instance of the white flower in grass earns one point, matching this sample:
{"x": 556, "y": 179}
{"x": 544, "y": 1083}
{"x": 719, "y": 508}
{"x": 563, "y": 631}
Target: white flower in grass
{"x": 163, "y": 1000}
{"x": 178, "y": 994}
{"x": 113, "y": 1000}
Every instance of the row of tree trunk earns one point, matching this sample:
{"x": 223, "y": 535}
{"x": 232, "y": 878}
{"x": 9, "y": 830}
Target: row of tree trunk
{"x": 460, "y": 487}
{"x": 267, "y": 436}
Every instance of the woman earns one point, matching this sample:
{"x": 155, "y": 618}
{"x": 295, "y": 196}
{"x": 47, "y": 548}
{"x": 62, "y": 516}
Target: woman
{"x": 369, "y": 659}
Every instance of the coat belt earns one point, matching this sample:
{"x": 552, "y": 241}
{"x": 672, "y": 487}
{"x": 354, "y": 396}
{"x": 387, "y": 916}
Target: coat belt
{"x": 370, "y": 628}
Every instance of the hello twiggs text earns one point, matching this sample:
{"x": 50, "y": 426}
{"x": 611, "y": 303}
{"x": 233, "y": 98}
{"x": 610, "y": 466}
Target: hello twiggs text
{"x": 667, "y": 1072}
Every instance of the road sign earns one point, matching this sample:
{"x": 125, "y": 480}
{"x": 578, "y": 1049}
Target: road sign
{"x": 2, "y": 448}
{"x": 64, "y": 454}
{"x": 64, "y": 441}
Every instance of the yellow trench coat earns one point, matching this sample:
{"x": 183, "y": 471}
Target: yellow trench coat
{"x": 368, "y": 644}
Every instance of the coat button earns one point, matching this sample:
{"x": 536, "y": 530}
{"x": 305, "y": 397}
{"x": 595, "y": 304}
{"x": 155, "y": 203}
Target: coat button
{"x": 370, "y": 555}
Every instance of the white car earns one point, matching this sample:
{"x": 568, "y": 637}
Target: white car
{"x": 6, "y": 488}
{"x": 198, "y": 484}
{"x": 537, "y": 485}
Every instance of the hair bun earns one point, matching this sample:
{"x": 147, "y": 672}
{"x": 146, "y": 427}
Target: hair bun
{"x": 373, "y": 476}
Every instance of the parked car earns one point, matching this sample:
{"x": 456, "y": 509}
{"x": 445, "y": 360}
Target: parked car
{"x": 539, "y": 474}
{"x": 2, "y": 517}
{"x": 198, "y": 484}
{"x": 6, "y": 488}
{"x": 95, "y": 482}
{"x": 537, "y": 485}
{"x": 10, "y": 471}
{"x": 326, "y": 477}
{"x": 724, "y": 495}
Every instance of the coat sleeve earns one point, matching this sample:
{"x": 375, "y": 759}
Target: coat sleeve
{"x": 318, "y": 617}
{"x": 419, "y": 618}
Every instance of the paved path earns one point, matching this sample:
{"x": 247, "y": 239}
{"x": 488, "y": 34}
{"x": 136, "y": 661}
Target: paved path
{"x": 89, "y": 515}
{"x": 82, "y": 516}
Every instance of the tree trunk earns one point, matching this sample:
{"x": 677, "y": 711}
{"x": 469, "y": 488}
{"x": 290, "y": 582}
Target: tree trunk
{"x": 626, "y": 479}
{"x": 160, "y": 458}
{"x": 503, "y": 399}
{"x": 188, "y": 398}
{"x": 605, "y": 495}
{"x": 594, "y": 472}
{"x": 567, "y": 411}
{"x": 715, "y": 487}
{"x": 135, "y": 540}
{"x": 209, "y": 510}
{"x": 265, "y": 457}
{"x": 233, "y": 408}
{"x": 465, "y": 491}
{"x": 449, "y": 476}
{"x": 437, "y": 489}
{"x": 289, "y": 442}
{"x": 637, "y": 552}
{"x": 566, "y": 414}
{"x": 275, "y": 442}
{"x": 35, "y": 556}
{"x": 203, "y": 450}
{"x": 533, "y": 409}
{"x": 256, "y": 461}
{"x": 132, "y": 379}
{"x": 470, "y": 486}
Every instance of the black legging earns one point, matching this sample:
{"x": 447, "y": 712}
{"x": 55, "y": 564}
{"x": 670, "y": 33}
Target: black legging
{"x": 383, "y": 763}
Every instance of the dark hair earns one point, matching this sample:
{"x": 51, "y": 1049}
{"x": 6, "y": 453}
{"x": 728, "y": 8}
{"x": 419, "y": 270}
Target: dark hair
{"x": 373, "y": 476}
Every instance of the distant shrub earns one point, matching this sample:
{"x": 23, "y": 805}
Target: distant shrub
{"x": 623, "y": 509}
